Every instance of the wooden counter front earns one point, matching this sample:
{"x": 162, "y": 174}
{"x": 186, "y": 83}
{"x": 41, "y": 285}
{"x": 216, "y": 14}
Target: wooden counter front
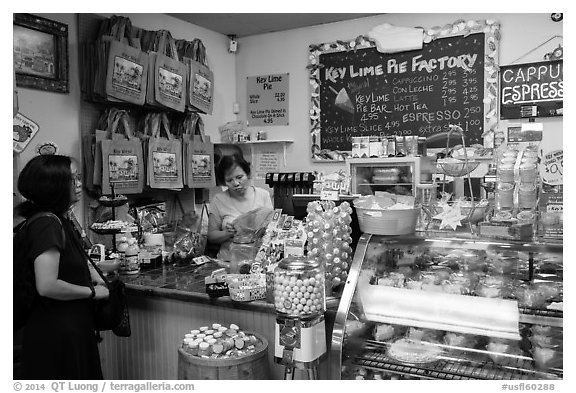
{"x": 168, "y": 302}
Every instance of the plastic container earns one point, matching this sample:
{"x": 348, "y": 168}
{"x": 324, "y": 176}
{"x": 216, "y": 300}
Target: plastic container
{"x": 242, "y": 255}
{"x": 387, "y": 222}
{"x": 121, "y": 247}
{"x": 299, "y": 287}
{"x": 506, "y": 173}
{"x": 246, "y": 287}
{"x": 528, "y": 172}
{"x": 527, "y": 196}
{"x": 130, "y": 263}
{"x": 505, "y": 196}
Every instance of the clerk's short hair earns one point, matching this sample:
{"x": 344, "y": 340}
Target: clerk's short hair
{"x": 228, "y": 163}
{"x": 46, "y": 183}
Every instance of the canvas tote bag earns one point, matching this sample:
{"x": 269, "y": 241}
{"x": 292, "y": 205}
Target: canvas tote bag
{"x": 200, "y": 159}
{"x": 103, "y": 131}
{"x": 167, "y": 81}
{"x": 164, "y": 156}
{"x": 200, "y": 87}
{"x": 122, "y": 160}
{"x": 127, "y": 65}
{"x": 191, "y": 125}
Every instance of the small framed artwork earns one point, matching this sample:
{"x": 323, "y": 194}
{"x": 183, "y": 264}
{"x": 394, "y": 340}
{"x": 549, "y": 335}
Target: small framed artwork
{"x": 40, "y": 53}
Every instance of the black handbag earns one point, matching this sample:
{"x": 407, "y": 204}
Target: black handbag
{"x": 112, "y": 313}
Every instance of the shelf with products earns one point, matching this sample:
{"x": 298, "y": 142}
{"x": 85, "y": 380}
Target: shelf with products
{"x": 449, "y": 308}
{"x": 369, "y": 175}
{"x": 263, "y": 143}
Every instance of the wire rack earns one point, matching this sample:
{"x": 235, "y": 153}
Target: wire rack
{"x": 374, "y": 357}
{"x": 460, "y": 169}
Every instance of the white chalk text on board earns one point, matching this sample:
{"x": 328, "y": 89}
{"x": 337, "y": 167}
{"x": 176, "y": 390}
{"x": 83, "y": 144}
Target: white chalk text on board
{"x": 267, "y": 101}
{"x": 420, "y": 93}
{"x": 540, "y": 84}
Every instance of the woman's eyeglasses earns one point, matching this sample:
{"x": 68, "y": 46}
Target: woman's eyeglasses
{"x": 76, "y": 178}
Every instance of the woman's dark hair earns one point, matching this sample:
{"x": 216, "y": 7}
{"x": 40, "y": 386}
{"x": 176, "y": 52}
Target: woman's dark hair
{"x": 46, "y": 183}
{"x": 228, "y": 163}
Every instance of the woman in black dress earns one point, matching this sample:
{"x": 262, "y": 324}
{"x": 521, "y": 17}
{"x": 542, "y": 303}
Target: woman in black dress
{"x": 59, "y": 337}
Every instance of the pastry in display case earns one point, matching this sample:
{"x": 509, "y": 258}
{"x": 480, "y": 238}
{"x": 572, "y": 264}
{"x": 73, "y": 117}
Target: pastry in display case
{"x": 450, "y": 308}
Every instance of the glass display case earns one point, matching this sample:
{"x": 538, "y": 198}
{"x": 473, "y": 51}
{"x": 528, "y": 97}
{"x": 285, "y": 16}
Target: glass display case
{"x": 450, "y": 308}
{"x": 398, "y": 175}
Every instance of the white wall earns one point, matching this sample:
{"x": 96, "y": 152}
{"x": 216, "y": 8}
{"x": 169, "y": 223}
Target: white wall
{"x": 57, "y": 115}
{"x": 283, "y": 52}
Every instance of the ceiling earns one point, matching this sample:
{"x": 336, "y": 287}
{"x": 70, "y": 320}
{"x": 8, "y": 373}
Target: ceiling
{"x": 244, "y": 25}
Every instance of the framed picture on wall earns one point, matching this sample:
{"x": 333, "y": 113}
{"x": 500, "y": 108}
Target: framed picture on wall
{"x": 40, "y": 53}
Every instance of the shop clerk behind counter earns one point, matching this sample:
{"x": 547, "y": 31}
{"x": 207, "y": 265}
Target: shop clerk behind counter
{"x": 239, "y": 198}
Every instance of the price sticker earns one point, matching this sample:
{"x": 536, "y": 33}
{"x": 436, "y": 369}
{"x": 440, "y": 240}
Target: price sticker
{"x": 329, "y": 195}
{"x": 552, "y": 170}
{"x": 555, "y": 208}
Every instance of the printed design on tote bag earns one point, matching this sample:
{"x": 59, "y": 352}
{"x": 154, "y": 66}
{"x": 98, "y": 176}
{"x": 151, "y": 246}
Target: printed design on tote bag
{"x": 127, "y": 75}
{"x": 170, "y": 85}
{"x": 123, "y": 170}
{"x": 201, "y": 168}
{"x": 164, "y": 166}
{"x": 201, "y": 88}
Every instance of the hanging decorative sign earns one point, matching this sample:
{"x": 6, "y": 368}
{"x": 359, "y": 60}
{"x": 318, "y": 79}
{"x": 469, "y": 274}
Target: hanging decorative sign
{"x": 552, "y": 168}
{"x": 23, "y": 132}
{"x": 532, "y": 90}
{"x": 267, "y": 100}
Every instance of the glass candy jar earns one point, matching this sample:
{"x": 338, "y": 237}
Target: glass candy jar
{"x": 242, "y": 255}
{"x": 299, "y": 287}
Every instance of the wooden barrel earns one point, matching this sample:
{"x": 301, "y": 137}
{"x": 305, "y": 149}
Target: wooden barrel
{"x": 253, "y": 366}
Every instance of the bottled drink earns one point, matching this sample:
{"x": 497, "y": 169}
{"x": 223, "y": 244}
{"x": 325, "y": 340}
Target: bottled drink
{"x": 130, "y": 264}
{"x": 121, "y": 247}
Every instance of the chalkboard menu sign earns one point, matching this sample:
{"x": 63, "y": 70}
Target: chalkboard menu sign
{"x": 532, "y": 90}
{"x": 359, "y": 91}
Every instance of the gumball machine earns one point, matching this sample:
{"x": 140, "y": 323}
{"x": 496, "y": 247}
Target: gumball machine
{"x": 300, "y": 302}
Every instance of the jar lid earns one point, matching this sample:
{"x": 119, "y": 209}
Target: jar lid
{"x": 298, "y": 263}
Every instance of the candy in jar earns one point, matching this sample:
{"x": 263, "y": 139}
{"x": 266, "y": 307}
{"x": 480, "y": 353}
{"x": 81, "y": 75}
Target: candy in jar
{"x": 299, "y": 287}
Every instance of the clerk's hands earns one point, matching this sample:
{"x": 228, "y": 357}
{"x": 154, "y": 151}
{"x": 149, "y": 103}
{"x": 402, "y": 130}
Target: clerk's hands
{"x": 101, "y": 292}
{"x": 231, "y": 230}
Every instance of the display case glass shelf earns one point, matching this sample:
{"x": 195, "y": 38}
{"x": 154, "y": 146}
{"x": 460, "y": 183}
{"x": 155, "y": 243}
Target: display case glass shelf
{"x": 449, "y": 308}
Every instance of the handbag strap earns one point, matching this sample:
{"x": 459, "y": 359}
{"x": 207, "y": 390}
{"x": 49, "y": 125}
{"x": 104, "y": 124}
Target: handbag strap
{"x": 189, "y": 123}
{"x": 121, "y": 118}
{"x": 204, "y": 209}
{"x": 200, "y": 52}
{"x": 158, "y": 122}
{"x": 199, "y": 130}
{"x": 166, "y": 45}
{"x": 74, "y": 241}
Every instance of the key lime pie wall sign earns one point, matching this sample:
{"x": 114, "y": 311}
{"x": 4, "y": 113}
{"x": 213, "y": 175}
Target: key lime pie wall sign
{"x": 358, "y": 89}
